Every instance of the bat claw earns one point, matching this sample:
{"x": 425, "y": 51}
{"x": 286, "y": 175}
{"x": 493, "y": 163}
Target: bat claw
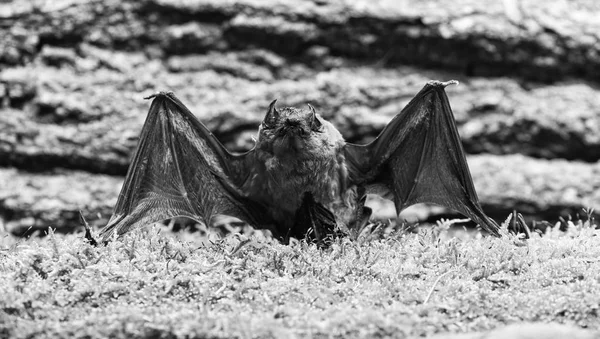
{"x": 443, "y": 84}
{"x": 159, "y": 94}
{"x": 314, "y": 221}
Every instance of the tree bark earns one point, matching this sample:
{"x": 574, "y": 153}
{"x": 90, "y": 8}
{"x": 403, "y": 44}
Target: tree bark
{"x": 73, "y": 74}
{"x": 542, "y": 41}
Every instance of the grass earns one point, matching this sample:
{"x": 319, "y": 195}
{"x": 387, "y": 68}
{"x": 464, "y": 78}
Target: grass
{"x": 157, "y": 284}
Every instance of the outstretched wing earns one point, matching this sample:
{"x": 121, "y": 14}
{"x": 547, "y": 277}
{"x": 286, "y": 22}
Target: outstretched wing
{"x": 418, "y": 158}
{"x": 181, "y": 169}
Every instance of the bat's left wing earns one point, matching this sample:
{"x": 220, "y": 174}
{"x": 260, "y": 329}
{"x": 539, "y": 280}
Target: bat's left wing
{"x": 419, "y": 158}
{"x": 181, "y": 169}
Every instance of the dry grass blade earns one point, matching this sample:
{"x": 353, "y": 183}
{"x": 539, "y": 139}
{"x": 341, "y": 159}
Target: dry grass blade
{"x": 435, "y": 284}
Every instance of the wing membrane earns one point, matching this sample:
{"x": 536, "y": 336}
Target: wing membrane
{"x": 180, "y": 169}
{"x": 419, "y": 158}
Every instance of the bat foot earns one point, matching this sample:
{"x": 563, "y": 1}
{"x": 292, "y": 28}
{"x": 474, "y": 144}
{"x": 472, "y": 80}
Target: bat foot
{"x": 159, "y": 94}
{"x": 361, "y": 222}
{"x": 314, "y": 222}
{"x": 443, "y": 84}
{"x": 518, "y": 225}
{"x": 88, "y": 231}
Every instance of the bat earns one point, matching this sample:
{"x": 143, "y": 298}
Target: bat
{"x": 301, "y": 179}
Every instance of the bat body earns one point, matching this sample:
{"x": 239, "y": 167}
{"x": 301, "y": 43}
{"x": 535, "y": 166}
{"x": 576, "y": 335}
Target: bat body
{"x": 301, "y": 177}
{"x": 294, "y": 156}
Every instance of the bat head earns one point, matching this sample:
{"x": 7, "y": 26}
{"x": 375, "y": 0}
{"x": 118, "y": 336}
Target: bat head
{"x": 294, "y": 131}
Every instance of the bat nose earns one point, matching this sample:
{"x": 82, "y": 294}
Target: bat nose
{"x": 292, "y": 122}
{"x": 293, "y": 127}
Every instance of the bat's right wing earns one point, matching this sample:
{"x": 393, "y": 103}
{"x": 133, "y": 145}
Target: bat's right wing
{"x": 419, "y": 158}
{"x": 181, "y": 169}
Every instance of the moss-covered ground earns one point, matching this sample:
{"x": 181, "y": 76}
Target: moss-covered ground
{"x": 157, "y": 284}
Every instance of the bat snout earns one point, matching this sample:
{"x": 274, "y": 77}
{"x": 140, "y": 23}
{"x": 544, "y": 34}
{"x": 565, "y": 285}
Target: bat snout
{"x": 292, "y": 122}
{"x": 293, "y": 130}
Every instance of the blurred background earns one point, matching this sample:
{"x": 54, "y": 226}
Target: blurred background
{"x": 73, "y": 75}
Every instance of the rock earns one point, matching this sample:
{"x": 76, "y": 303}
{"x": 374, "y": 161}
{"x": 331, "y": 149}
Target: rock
{"x": 19, "y": 87}
{"x": 58, "y": 56}
{"x": 542, "y": 189}
{"x": 559, "y": 120}
{"x": 38, "y": 201}
{"x": 227, "y": 64}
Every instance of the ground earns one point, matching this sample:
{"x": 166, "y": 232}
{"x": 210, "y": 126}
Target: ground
{"x": 157, "y": 284}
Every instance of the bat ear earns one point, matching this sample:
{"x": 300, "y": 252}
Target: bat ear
{"x": 272, "y": 114}
{"x": 314, "y": 121}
